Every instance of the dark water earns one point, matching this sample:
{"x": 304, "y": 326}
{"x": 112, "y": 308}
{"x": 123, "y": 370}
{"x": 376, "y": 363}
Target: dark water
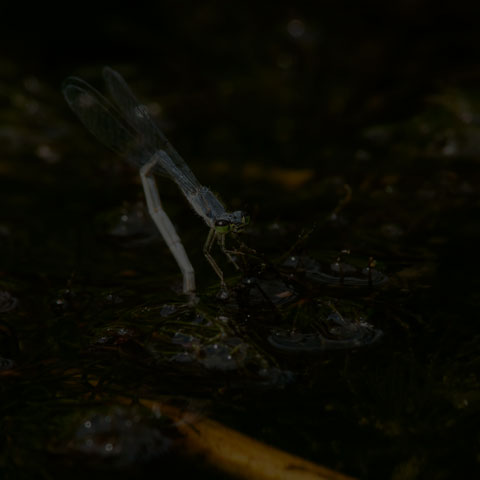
{"x": 352, "y": 135}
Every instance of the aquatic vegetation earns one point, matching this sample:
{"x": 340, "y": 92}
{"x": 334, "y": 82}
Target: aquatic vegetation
{"x": 191, "y": 339}
{"x": 337, "y": 272}
{"x": 317, "y": 326}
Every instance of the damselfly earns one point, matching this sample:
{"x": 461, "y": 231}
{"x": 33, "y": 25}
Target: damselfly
{"x": 126, "y": 127}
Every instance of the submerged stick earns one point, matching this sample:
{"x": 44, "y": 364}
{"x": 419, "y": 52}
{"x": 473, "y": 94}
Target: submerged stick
{"x": 240, "y": 455}
{"x": 233, "y": 452}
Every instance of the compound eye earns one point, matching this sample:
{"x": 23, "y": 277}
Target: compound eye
{"x": 222, "y": 226}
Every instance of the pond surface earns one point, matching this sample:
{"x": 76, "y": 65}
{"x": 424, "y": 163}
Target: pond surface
{"x": 350, "y": 338}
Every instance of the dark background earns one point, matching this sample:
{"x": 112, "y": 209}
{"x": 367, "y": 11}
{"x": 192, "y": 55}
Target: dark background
{"x": 236, "y": 62}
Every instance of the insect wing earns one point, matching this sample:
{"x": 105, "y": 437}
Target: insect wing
{"x": 102, "y": 119}
{"x": 140, "y": 120}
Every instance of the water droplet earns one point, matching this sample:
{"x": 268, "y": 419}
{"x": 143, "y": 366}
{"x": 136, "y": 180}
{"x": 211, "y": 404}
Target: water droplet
{"x": 296, "y": 28}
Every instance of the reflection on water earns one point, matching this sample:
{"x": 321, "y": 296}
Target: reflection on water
{"x": 120, "y": 437}
{"x": 338, "y": 334}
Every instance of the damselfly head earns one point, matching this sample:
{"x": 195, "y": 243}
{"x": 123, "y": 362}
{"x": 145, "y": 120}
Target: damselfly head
{"x": 233, "y": 222}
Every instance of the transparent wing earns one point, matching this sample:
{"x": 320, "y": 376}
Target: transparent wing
{"x": 137, "y": 116}
{"x": 127, "y": 130}
{"x": 104, "y": 121}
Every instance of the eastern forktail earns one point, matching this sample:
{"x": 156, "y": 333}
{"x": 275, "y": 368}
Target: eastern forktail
{"x": 126, "y": 127}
